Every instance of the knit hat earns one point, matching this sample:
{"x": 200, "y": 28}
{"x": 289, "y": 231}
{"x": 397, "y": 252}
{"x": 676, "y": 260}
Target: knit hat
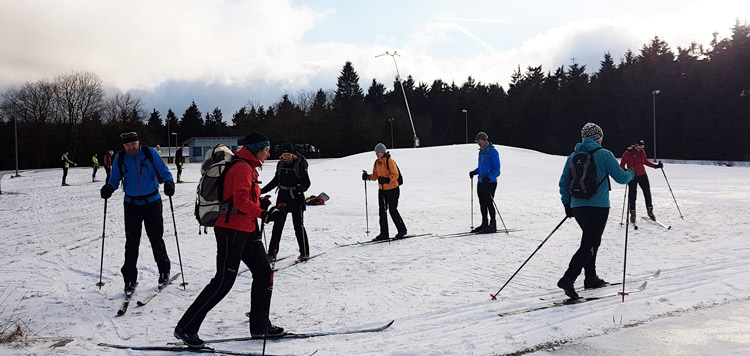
{"x": 481, "y": 136}
{"x": 639, "y": 143}
{"x": 593, "y": 131}
{"x": 129, "y": 137}
{"x": 287, "y": 148}
{"x": 380, "y": 148}
{"x": 255, "y": 141}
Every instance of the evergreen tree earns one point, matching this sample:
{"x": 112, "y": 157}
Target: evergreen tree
{"x": 192, "y": 123}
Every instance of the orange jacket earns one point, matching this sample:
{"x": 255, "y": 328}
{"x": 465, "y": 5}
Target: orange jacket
{"x": 383, "y": 169}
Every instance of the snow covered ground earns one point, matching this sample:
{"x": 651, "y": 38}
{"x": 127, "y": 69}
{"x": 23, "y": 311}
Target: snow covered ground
{"x": 437, "y": 289}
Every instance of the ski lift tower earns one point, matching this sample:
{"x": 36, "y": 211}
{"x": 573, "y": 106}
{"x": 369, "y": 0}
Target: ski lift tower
{"x": 398, "y": 77}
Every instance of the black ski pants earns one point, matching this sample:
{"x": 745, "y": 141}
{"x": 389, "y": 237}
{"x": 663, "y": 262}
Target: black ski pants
{"x": 65, "y": 174}
{"x": 150, "y": 216}
{"x": 388, "y": 203}
{"x": 93, "y": 175}
{"x": 233, "y": 246}
{"x": 641, "y": 180}
{"x": 179, "y": 172}
{"x": 297, "y": 212}
{"x": 592, "y": 221}
{"x": 486, "y": 194}
{"x": 108, "y": 170}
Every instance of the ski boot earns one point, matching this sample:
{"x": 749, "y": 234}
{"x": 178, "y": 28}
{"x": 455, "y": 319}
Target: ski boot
{"x": 650, "y": 212}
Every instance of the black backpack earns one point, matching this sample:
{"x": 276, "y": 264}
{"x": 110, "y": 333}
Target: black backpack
{"x": 400, "y": 176}
{"x": 582, "y": 174}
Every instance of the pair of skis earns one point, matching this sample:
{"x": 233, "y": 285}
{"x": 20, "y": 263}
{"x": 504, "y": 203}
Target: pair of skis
{"x": 581, "y": 288}
{"x": 129, "y": 296}
{"x": 179, "y": 347}
{"x": 565, "y": 302}
{"x": 381, "y": 241}
{"x": 469, "y": 233}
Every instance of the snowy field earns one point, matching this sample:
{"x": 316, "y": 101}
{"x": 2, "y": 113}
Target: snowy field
{"x": 436, "y": 289}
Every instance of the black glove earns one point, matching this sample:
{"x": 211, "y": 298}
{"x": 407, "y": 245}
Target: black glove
{"x": 272, "y": 215}
{"x": 106, "y": 191}
{"x": 265, "y": 202}
{"x": 472, "y": 174}
{"x": 660, "y": 165}
{"x": 568, "y": 211}
{"x": 169, "y": 188}
{"x": 365, "y": 176}
{"x": 384, "y": 180}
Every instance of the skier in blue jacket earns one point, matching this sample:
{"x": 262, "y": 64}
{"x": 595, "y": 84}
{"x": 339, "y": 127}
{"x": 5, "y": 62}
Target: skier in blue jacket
{"x": 590, "y": 214}
{"x": 488, "y": 170}
{"x": 140, "y": 172}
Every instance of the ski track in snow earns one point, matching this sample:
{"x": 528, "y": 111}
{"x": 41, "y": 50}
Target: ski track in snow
{"x": 437, "y": 289}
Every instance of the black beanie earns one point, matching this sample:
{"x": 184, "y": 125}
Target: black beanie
{"x": 129, "y": 137}
{"x": 287, "y": 148}
{"x": 255, "y": 141}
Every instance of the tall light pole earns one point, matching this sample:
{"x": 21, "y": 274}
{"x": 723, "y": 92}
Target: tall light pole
{"x": 466, "y": 117}
{"x": 15, "y": 134}
{"x": 391, "y": 121}
{"x": 653, "y": 96}
{"x": 169, "y": 143}
{"x": 398, "y": 77}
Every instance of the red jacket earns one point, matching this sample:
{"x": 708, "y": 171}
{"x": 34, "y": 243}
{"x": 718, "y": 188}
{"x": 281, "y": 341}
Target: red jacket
{"x": 634, "y": 159}
{"x": 238, "y": 185}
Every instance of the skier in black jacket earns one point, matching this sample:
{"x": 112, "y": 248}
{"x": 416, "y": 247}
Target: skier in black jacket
{"x": 292, "y": 181}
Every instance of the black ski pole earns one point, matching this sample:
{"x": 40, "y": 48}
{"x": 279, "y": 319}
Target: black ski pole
{"x": 670, "y": 190}
{"x": 270, "y": 290}
{"x": 494, "y": 296}
{"x": 498, "y": 214}
{"x": 179, "y": 256}
{"x": 472, "y": 202}
{"x": 624, "y": 199}
{"x": 367, "y": 217}
{"x": 625, "y": 258}
{"x": 104, "y": 226}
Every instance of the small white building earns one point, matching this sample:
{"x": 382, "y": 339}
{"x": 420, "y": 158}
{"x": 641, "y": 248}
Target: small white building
{"x": 197, "y": 147}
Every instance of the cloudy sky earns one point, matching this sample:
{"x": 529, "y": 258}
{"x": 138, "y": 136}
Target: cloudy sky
{"x": 228, "y": 53}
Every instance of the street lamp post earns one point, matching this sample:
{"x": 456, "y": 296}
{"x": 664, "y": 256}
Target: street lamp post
{"x": 169, "y": 143}
{"x": 15, "y": 134}
{"x": 391, "y": 121}
{"x": 466, "y": 117}
{"x": 398, "y": 77}
{"x": 653, "y": 95}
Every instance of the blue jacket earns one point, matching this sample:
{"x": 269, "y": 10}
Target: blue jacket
{"x": 606, "y": 164}
{"x": 139, "y": 176}
{"x": 489, "y": 163}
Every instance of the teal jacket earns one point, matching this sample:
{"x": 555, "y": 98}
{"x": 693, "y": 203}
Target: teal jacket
{"x": 606, "y": 164}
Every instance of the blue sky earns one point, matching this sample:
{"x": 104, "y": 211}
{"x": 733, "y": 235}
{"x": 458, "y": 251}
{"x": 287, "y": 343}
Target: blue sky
{"x": 230, "y": 53}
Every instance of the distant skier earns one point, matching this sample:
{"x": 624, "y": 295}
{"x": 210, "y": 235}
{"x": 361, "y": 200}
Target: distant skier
{"x": 66, "y": 164}
{"x": 158, "y": 150}
{"x": 591, "y": 213}
{"x": 238, "y": 238}
{"x": 139, "y": 168}
{"x": 179, "y": 160}
{"x": 108, "y": 163}
{"x": 385, "y": 171}
{"x": 635, "y": 157}
{"x": 488, "y": 170}
{"x": 95, "y": 165}
{"x": 292, "y": 181}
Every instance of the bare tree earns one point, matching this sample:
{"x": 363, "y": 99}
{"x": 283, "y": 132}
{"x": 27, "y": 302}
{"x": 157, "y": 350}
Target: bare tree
{"x": 78, "y": 95}
{"x": 121, "y": 108}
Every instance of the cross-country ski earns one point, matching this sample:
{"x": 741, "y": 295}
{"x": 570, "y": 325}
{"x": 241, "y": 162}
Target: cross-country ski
{"x": 656, "y": 222}
{"x": 161, "y": 287}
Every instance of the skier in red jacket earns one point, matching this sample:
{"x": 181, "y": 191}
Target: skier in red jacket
{"x": 635, "y": 157}
{"x": 238, "y": 239}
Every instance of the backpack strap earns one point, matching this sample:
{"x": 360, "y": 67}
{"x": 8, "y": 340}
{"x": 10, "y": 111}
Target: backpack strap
{"x": 146, "y": 152}
{"x": 606, "y": 176}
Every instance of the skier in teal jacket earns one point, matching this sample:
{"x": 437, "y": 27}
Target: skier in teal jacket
{"x": 590, "y": 214}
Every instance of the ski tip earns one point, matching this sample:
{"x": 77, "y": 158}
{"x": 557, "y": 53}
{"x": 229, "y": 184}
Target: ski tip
{"x": 389, "y": 324}
{"x": 120, "y": 313}
{"x": 657, "y": 273}
{"x": 140, "y": 303}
